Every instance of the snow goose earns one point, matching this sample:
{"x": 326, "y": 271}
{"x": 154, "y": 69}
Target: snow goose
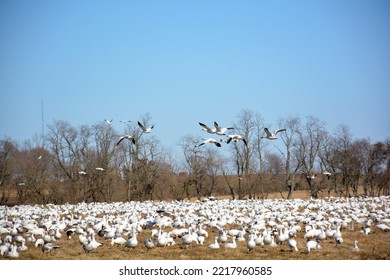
{"x": 144, "y": 128}
{"x": 251, "y": 244}
{"x": 108, "y": 121}
{"x": 210, "y": 140}
{"x": 355, "y": 247}
{"x": 214, "y": 245}
{"x": 292, "y": 243}
{"x": 99, "y": 168}
{"x": 221, "y": 130}
{"x": 132, "y": 242}
{"x": 48, "y": 247}
{"x": 118, "y": 240}
{"x": 222, "y": 236}
{"x": 88, "y": 246}
{"x": 13, "y": 252}
{"x": 272, "y": 135}
{"x": 236, "y": 138}
{"x": 207, "y": 129}
{"x": 232, "y": 244}
{"x": 149, "y": 244}
{"x": 312, "y": 244}
{"x": 128, "y": 137}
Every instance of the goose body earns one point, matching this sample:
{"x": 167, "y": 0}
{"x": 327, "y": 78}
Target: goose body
{"x": 292, "y": 243}
{"x": 214, "y": 245}
{"x": 149, "y": 244}
{"x": 221, "y": 130}
{"x": 207, "y": 129}
{"x": 144, "y": 128}
{"x": 355, "y": 248}
{"x": 251, "y": 244}
{"x": 272, "y": 135}
{"x": 232, "y": 244}
{"x": 210, "y": 140}
{"x": 312, "y": 245}
{"x": 128, "y": 137}
{"x": 236, "y": 138}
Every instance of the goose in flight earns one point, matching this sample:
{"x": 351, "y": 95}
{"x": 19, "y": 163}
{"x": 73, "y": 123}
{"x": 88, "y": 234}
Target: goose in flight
{"x": 208, "y": 129}
{"x": 129, "y": 137}
{"x": 144, "y": 128}
{"x": 125, "y": 121}
{"x": 108, "y": 121}
{"x": 272, "y": 135}
{"x": 236, "y": 138}
{"x": 210, "y": 140}
{"x": 221, "y": 130}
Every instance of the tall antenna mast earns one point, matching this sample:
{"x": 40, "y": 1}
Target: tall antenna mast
{"x": 43, "y": 124}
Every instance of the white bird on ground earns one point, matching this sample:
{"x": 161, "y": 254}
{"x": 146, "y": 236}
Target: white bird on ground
{"x": 128, "y": 137}
{"x": 292, "y": 243}
{"x": 232, "y": 244}
{"x": 221, "y": 130}
{"x": 149, "y": 244}
{"x": 82, "y": 172}
{"x": 251, "y": 244}
{"x": 214, "y": 245}
{"x": 208, "y": 129}
{"x": 312, "y": 244}
{"x": 236, "y": 138}
{"x": 99, "y": 168}
{"x": 272, "y": 135}
{"x": 48, "y": 247}
{"x": 144, "y": 128}
{"x": 108, "y": 121}
{"x": 355, "y": 248}
{"x": 210, "y": 140}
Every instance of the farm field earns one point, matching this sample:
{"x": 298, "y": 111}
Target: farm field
{"x": 254, "y": 216}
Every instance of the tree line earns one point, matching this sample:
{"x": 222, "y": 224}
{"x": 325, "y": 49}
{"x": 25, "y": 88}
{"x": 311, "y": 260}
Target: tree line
{"x": 74, "y": 164}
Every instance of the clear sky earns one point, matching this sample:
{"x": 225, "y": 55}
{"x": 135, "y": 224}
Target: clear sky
{"x": 188, "y": 61}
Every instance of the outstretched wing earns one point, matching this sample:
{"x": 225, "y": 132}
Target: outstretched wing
{"x": 279, "y": 130}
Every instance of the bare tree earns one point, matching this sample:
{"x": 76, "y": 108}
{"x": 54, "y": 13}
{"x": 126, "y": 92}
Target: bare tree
{"x": 7, "y": 153}
{"x": 288, "y": 138}
{"x": 306, "y": 151}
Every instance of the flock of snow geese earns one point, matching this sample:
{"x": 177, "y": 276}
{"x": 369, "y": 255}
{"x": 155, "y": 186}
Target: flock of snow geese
{"x": 218, "y": 224}
{"x": 220, "y": 131}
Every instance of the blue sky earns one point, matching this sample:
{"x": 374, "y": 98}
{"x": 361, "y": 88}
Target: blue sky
{"x": 183, "y": 62}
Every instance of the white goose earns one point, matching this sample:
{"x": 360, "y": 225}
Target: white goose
{"x": 207, "y": 129}
{"x": 292, "y": 243}
{"x": 232, "y": 245}
{"x": 214, "y": 245}
{"x": 128, "y": 137}
{"x": 251, "y": 244}
{"x": 149, "y": 244}
{"x": 312, "y": 244}
{"x": 236, "y": 138}
{"x": 221, "y": 130}
{"x": 13, "y": 252}
{"x": 210, "y": 140}
{"x": 355, "y": 248}
{"x": 108, "y": 121}
{"x": 272, "y": 135}
{"x": 144, "y": 128}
